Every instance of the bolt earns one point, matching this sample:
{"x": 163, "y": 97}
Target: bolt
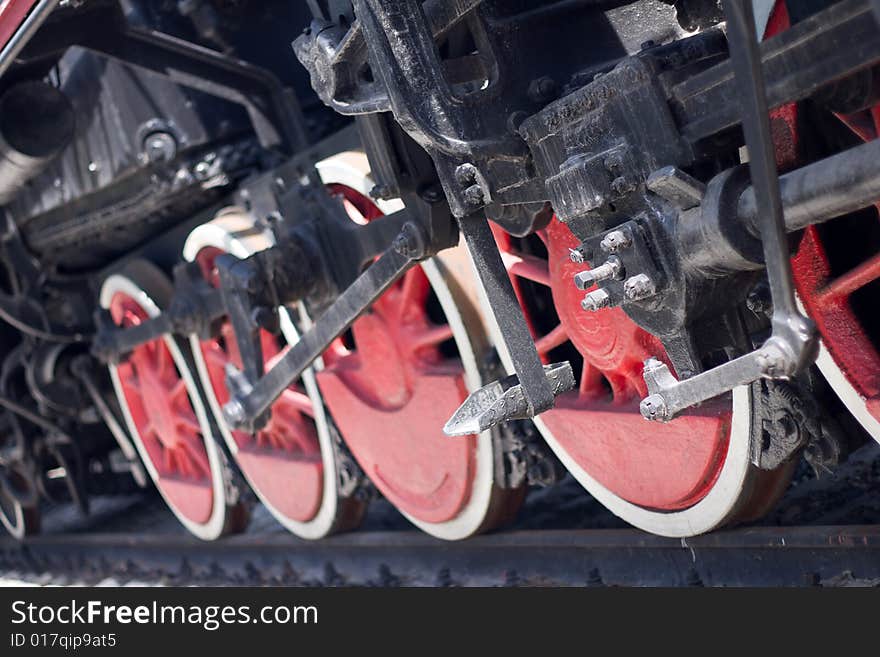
{"x": 596, "y": 300}
{"x": 639, "y": 287}
{"x": 410, "y": 242}
{"x": 543, "y": 89}
{"x": 615, "y": 241}
{"x": 610, "y": 269}
{"x": 474, "y": 196}
{"x": 578, "y": 255}
{"x": 614, "y": 162}
{"x": 771, "y": 363}
{"x": 432, "y": 194}
{"x": 621, "y": 186}
{"x": 654, "y": 408}
{"x": 466, "y": 174}
{"x": 233, "y": 412}
{"x": 381, "y": 192}
{"x": 160, "y": 147}
{"x": 759, "y": 300}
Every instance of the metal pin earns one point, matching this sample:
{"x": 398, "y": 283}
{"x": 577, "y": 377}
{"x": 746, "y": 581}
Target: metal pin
{"x": 615, "y": 241}
{"x": 610, "y": 269}
{"x": 596, "y": 300}
{"x": 639, "y": 287}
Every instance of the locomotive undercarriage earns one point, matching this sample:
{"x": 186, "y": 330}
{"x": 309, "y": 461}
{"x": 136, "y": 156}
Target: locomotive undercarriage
{"x": 630, "y": 226}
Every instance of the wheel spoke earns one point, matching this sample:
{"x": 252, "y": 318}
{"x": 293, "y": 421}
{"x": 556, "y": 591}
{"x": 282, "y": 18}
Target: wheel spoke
{"x": 411, "y": 291}
{"x": 197, "y": 456}
{"x": 555, "y": 338}
{"x": 591, "y": 382}
{"x": 189, "y": 422}
{"x": 853, "y": 280}
{"x": 177, "y": 389}
{"x": 168, "y": 460}
{"x": 432, "y": 336}
{"x": 215, "y": 356}
{"x": 526, "y": 266}
{"x": 161, "y": 361}
{"x": 299, "y": 401}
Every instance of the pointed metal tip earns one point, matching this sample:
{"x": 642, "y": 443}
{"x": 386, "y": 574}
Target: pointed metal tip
{"x": 503, "y": 400}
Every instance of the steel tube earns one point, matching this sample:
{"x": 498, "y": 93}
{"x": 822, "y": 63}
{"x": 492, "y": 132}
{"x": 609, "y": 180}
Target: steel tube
{"x": 816, "y": 193}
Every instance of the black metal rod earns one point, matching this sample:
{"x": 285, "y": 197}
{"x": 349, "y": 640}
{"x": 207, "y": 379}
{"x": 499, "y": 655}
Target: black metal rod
{"x": 244, "y": 410}
{"x": 515, "y": 332}
{"x": 821, "y": 191}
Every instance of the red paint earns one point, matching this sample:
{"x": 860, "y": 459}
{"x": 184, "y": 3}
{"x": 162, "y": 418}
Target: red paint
{"x": 12, "y": 14}
{"x": 826, "y": 296}
{"x": 283, "y": 460}
{"x": 669, "y": 466}
{"x": 391, "y": 390}
{"x": 165, "y": 419}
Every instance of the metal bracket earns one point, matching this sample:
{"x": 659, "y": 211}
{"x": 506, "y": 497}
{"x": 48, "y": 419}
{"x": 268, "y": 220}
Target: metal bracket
{"x": 793, "y": 344}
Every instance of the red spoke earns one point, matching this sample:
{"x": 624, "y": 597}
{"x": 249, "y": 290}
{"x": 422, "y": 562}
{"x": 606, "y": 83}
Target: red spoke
{"x": 189, "y": 422}
{"x": 845, "y": 285}
{"x": 177, "y": 389}
{"x": 197, "y": 456}
{"x": 412, "y": 289}
{"x": 555, "y": 338}
{"x": 168, "y": 460}
{"x": 215, "y": 357}
{"x": 591, "y": 382}
{"x": 297, "y": 400}
{"x": 526, "y": 266}
{"x": 432, "y": 336}
{"x": 160, "y": 358}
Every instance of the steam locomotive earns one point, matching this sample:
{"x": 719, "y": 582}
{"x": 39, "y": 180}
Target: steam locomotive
{"x": 304, "y": 254}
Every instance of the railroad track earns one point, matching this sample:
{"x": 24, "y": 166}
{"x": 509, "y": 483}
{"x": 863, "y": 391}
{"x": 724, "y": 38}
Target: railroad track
{"x": 825, "y": 532}
{"x": 764, "y": 556}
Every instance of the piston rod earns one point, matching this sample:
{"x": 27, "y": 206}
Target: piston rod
{"x": 821, "y": 191}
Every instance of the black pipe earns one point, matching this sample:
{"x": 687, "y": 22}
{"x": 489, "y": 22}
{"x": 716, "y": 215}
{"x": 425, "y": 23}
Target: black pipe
{"x": 36, "y": 123}
{"x": 816, "y": 193}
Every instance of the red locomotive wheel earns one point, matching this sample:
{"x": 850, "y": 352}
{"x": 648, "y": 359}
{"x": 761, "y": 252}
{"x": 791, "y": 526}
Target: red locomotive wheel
{"x": 165, "y": 414}
{"x": 678, "y": 479}
{"x": 290, "y": 464}
{"x": 837, "y": 273}
{"x": 392, "y": 383}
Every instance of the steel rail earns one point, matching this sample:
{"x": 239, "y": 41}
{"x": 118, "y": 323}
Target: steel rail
{"x": 760, "y": 556}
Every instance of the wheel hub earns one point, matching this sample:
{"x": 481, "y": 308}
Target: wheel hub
{"x": 667, "y": 467}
